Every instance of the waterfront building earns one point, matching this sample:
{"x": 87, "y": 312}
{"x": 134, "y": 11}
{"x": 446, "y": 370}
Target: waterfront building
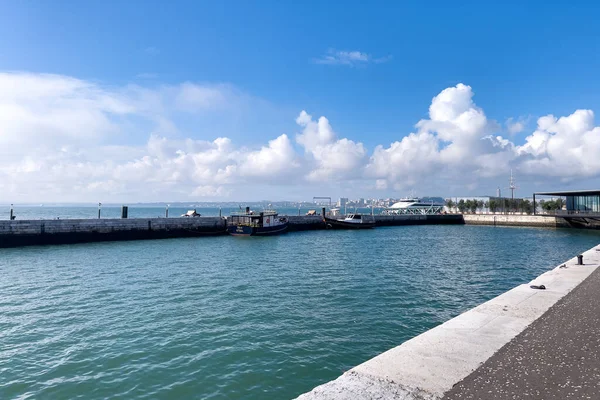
{"x": 577, "y": 201}
{"x": 342, "y": 202}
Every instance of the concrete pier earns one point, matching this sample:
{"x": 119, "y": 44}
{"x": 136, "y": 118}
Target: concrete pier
{"x": 37, "y": 232}
{"x": 493, "y": 350}
{"x": 60, "y": 231}
{"x": 541, "y": 221}
{"x": 578, "y": 221}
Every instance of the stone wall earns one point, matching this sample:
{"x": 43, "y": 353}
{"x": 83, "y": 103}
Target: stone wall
{"x": 515, "y": 220}
{"x": 33, "y": 232}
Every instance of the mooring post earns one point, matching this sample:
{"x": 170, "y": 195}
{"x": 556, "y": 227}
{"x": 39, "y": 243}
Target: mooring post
{"x": 167, "y": 212}
{"x": 11, "y": 212}
{"x": 580, "y": 259}
{"x": 323, "y": 212}
{"x": 220, "y": 212}
{"x": 99, "y": 207}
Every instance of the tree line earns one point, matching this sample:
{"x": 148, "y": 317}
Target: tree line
{"x": 504, "y": 205}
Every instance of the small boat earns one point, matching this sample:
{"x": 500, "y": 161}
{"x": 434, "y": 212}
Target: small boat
{"x": 191, "y": 213}
{"x": 249, "y": 223}
{"x": 352, "y": 221}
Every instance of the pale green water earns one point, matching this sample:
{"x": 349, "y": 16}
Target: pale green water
{"x": 255, "y": 318}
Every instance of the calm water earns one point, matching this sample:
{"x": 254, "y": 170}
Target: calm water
{"x": 136, "y": 211}
{"x": 235, "y": 318}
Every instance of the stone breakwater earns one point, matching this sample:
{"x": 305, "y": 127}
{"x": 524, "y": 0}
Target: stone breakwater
{"x": 58, "y": 231}
{"x": 37, "y": 232}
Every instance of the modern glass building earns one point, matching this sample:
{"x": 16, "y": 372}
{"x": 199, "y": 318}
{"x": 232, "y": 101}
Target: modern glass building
{"x": 577, "y": 201}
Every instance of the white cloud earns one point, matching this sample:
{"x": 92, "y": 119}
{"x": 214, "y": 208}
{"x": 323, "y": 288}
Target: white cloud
{"x": 563, "y": 147}
{"x": 332, "y": 158}
{"x": 349, "y": 58}
{"x": 457, "y": 143}
{"x": 65, "y": 139}
{"x": 515, "y": 127}
{"x": 274, "y": 160}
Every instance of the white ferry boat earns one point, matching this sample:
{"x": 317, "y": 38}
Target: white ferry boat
{"x": 413, "y": 205}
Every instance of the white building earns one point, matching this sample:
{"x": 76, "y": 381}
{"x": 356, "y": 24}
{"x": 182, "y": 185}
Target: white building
{"x": 342, "y": 202}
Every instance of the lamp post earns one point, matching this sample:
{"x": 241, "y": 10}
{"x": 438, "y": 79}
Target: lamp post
{"x": 11, "y": 212}
{"x": 99, "y": 208}
{"x": 167, "y": 212}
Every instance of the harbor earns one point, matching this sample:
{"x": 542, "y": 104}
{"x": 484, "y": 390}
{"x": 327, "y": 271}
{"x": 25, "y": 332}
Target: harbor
{"x": 63, "y": 231}
{"x": 242, "y": 318}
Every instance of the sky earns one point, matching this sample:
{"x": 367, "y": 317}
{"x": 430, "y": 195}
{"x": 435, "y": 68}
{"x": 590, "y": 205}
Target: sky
{"x": 277, "y": 100}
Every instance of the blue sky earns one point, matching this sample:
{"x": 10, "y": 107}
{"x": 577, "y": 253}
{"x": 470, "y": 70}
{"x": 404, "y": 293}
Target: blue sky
{"x": 523, "y": 60}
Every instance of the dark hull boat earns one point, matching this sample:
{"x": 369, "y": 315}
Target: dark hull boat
{"x": 266, "y": 223}
{"x": 354, "y": 221}
{"x": 244, "y": 230}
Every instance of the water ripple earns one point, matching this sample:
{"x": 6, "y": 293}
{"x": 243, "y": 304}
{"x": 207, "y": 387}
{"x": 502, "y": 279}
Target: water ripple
{"x": 220, "y": 318}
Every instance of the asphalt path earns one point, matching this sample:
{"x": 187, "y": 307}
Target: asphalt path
{"x": 556, "y": 357}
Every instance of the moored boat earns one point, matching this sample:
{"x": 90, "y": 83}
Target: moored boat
{"x": 352, "y": 221}
{"x": 249, "y": 223}
{"x": 413, "y": 206}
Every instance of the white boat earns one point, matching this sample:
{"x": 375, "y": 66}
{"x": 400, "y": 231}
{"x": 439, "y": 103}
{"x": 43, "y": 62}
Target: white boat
{"x": 414, "y": 206}
{"x": 191, "y": 213}
{"x": 352, "y": 221}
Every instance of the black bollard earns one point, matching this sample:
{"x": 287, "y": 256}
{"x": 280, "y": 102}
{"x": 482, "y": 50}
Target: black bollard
{"x": 124, "y": 211}
{"x": 12, "y": 217}
{"x": 323, "y": 211}
{"x": 580, "y": 259}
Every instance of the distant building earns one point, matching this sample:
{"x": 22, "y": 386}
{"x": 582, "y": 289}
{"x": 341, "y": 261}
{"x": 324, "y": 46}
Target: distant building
{"x": 342, "y": 202}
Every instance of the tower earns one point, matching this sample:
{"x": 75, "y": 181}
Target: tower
{"x": 512, "y": 185}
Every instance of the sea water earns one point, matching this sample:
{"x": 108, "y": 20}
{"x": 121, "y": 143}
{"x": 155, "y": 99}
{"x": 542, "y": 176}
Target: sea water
{"x": 22, "y": 212}
{"x": 245, "y": 318}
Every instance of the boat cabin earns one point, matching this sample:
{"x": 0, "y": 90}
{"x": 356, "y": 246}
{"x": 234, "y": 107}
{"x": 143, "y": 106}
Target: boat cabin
{"x": 260, "y": 220}
{"x": 353, "y": 218}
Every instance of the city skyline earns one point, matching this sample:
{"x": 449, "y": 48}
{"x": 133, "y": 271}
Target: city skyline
{"x": 230, "y": 101}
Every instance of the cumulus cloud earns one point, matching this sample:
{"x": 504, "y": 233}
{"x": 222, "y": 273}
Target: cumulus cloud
{"x": 66, "y": 139}
{"x": 349, "y": 58}
{"x": 459, "y": 143}
{"x": 332, "y": 158}
{"x": 563, "y": 147}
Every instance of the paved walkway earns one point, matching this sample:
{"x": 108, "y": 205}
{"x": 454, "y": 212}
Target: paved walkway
{"x": 556, "y": 357}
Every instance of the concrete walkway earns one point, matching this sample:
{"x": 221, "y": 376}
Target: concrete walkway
{"x": 556, "y": 357}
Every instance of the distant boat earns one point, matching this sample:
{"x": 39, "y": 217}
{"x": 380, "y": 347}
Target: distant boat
{"x": 352, "y": 221}
{"x": 191, "y": 213}
{"x": 413, "y": 206}
{"x": 249, "y": 223}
